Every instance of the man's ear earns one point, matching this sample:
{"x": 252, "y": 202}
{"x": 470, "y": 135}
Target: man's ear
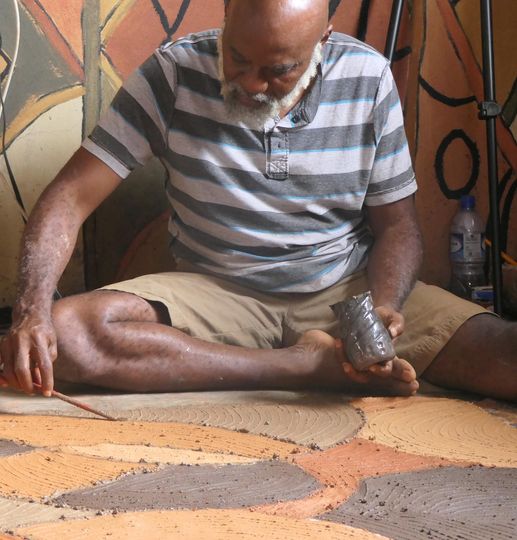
{"x": 327, "y": 33}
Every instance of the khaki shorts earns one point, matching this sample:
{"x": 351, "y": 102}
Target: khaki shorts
{"x": 217, "y": 310}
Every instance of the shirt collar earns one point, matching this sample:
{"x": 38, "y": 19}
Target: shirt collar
{"x": 305, "y": 110}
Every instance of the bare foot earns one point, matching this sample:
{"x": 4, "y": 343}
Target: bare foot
{"x": 326, "y": 360}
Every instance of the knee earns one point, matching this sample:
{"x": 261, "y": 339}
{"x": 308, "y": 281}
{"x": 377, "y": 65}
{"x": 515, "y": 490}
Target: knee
{"x": 83, "y": 314}
{"x": 64, "y": 317}
{"x": 74, "y": 330}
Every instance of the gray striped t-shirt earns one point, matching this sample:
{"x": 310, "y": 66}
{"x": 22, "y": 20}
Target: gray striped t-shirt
{"x": 279, "y": 209}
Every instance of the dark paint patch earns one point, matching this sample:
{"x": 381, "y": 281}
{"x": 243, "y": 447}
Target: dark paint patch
{"x": 447, "y": 503}
{"x": 195, "y": 487}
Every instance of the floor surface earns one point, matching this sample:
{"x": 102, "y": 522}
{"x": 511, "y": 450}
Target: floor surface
{"x": 258, "y": 465}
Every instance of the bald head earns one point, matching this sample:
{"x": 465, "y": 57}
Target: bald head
{"x": 278, "y": 26}
{"x": 332, "y": 6}
{"x": 274, "y": 17}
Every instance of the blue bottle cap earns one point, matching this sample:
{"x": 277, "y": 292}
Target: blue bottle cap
{"x": 467, "y": 202}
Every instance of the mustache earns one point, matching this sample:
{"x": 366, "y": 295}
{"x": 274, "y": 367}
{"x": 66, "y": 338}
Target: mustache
{"x": 236, "y": 90}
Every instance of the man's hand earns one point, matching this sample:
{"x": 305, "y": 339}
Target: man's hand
{"x": 27, "y": 353}
{"x": 392, "y": 320}
{"x": 382, "y": 369}
{"x": 394, "y": 323}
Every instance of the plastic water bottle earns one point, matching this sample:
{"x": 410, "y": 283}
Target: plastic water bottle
{"x": 467, "y": 249}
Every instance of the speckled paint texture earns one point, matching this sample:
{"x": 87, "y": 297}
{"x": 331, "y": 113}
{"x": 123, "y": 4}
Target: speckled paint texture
{"x": 475, "y": 503}
{"x": 288, "y": 466}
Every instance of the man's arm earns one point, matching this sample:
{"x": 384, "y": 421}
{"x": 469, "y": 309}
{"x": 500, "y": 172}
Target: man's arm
{"x": 28, "y": 351}
{"x": 394, "y": 260}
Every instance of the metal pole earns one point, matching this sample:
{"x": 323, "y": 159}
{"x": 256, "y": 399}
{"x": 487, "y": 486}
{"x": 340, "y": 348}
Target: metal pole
{"x": 393, "y": 29}
{"x": 488, "y": 111}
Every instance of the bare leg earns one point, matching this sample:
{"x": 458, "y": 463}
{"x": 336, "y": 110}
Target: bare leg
{"x": 118, "y": 340}
{"x": 480, "y": 357}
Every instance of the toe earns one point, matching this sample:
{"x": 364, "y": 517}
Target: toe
{"x": 402, "y": 388}
{"x": 403, "y": 370}
{"x": 382, "y": 370}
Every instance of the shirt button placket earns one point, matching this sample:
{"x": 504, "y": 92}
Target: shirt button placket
{"x": 277, "y": 165}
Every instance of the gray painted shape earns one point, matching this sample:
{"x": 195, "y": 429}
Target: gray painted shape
{"x": 477, "y": 503}
{"x": 10, "y": 448}
{"x": 196, "y": 487}
{"x": 316, "y": 420}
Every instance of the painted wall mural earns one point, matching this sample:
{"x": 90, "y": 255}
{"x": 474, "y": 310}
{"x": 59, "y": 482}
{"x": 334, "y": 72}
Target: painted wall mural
{"x": 74, "y": 55}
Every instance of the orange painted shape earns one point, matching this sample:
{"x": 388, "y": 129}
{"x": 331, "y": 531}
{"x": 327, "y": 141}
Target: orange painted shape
{"x": 55, "y": 22}
{"x": 372, "y": 404}
{"x": 210, "y": 524}
{"x": 446, "y": 428}
{"x": 49, "y": 431}
{"x": 66, "y": 16}
{"x": 346, "y": 17}
{"x": 40, "y": 474}
{"x": 446, "y": 76}
{"x": 378, "y": 24}
{"x": 362, "y": 459}
{"x": 322, "y": 501}
{"x": 504, "y": 22}
{"x": 342, "y": 468}
{"x": 137, "y": 453}
{"x": 200, "y": 16}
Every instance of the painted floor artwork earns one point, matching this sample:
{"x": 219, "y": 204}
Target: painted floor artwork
{"x": 258, "y": 465}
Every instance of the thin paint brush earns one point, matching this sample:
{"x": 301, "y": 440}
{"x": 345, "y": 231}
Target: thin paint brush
{"x": 76, "y": 403}
{"x": 70, "y": 400}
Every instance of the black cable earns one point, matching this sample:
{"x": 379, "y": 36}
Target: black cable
{"x": 362, "y": 24}
{"x": 506, "y": 214}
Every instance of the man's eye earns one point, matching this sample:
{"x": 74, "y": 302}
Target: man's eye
{"x": 238, "y": 60}
{"x": 281, "y": 70}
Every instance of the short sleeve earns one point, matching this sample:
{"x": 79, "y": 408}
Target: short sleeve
{"x": 392, "y": 177}
{"x": 134, "y": 127}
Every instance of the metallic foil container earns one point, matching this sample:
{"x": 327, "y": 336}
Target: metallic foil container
{"x": 366, "y": 339}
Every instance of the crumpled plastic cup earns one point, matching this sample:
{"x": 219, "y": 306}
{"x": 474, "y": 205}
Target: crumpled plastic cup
{"x": 366, "y": 339}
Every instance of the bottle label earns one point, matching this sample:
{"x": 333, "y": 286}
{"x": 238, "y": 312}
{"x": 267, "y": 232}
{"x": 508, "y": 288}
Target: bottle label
{"x": 467, "y": 247}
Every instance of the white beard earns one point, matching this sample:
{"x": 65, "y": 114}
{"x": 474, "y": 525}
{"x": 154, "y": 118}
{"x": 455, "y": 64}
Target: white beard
{"x": 268, "y": 107}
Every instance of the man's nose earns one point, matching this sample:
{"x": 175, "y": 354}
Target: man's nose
{"x": 252, "y": 82}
